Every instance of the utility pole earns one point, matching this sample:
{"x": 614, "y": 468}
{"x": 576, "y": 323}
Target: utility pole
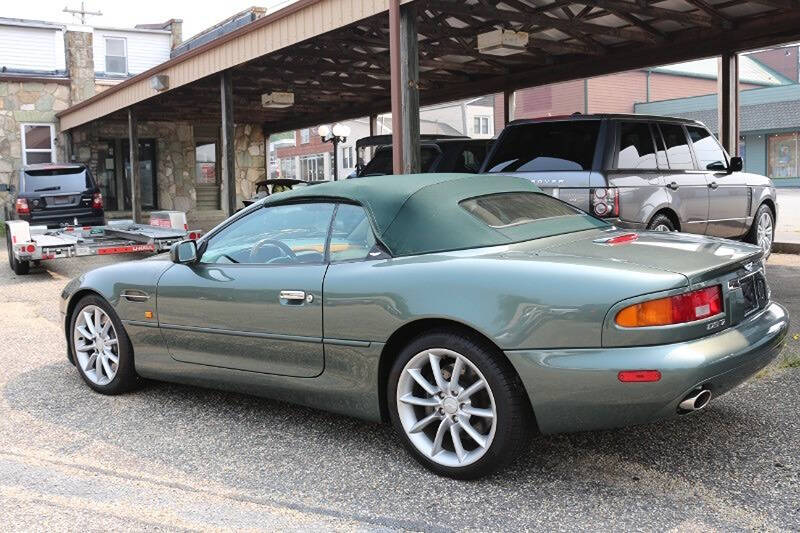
{"x": 82, "y": 12}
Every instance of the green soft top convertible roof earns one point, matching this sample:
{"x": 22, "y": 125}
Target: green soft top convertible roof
{"x": 420, "y": 213}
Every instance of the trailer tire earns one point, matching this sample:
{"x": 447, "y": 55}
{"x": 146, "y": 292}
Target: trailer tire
{"x": 20, "y": 268}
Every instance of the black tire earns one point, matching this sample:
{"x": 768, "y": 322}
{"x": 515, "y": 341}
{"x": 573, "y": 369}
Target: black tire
{"x": 752, "y": 234}
{"x": 514, "y": 416}
{"x": 661, "y": 220}
{"x": 20, "y": 268}
{"x": 125, "y": 378}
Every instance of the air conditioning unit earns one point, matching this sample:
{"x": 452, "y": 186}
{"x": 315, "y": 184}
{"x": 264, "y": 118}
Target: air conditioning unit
{"x": 502, "y": 42}
{"x": 277, "y": 100}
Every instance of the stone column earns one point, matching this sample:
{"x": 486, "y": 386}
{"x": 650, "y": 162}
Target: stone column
{"x": 80, "y": 62}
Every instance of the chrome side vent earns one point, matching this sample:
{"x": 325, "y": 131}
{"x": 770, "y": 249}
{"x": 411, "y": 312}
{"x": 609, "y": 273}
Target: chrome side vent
{"x": 132, "y": 295}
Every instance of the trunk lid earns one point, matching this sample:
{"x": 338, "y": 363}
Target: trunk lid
{"x": 698, "y": 257}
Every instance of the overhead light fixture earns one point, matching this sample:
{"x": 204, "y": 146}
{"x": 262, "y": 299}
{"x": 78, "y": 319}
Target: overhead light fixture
{"x": 159, "y": 82}
{"x": 502, "y": 42}
{"x": 341, "y": 130}
{"x": 277, "y": 100}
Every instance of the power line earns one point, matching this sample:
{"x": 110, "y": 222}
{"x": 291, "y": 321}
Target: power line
{"x": 82, "y": 12}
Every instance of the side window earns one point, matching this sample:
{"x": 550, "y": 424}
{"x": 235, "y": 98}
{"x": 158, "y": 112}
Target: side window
{"x": 352, "y": 238}
{"x": 279, "y": 235}
{"x": 678, "y": 153}
{"x": 706, "y": 147}
{"x": 636, "y": 148}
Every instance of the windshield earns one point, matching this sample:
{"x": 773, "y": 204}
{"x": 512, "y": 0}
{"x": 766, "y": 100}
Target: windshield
{"x": 57, "y": 180}
{"x": 546, "y": 146}
{"x": 381, "y": 163}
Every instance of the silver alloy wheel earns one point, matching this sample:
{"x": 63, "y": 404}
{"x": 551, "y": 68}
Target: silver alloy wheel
{"x": 446, "y": 407}
{"x": 662, "y": 227}
{"x": 96, "y": 345}
{"x": 764, "y": 231}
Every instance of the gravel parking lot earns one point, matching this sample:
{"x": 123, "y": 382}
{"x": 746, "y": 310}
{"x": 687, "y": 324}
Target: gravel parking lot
{"x": 173, "y": 457}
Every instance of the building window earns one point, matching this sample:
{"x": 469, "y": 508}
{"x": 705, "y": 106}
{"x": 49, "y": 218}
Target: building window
{"x": 312, "y": 167}
{"x": 782, "y": 155}
{"x": 116, "y": 57}
{"x": 480, "y": 126}
{"x": 287, "y": 168}
{"x": 304, "y": 136}
{"x": 38, "y": 141}
{"x": 348, "y": 157}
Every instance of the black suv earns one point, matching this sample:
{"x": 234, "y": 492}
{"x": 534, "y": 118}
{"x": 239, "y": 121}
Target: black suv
{"x": 438, "y": 153}
{"x": 58, "y": 195}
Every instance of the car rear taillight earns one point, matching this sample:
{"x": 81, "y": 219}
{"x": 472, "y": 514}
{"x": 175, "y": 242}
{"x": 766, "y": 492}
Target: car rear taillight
{"x": 22, "y": 206}
{"x": 605, "y": 202}
{"x": 97, "y": 201}
{"x": 688, "y": 307}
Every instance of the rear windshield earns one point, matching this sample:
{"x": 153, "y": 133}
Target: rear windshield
{"x": 54, "y": 180}
{"x": 545, "y": 146}
{"x": 381, "y": 164}
{"x": 513, "y": 208}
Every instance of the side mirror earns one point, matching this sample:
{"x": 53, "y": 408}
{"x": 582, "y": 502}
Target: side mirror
{"x": 736, "y": 164}
{"x": 717, "y": 166}
{"x": 5, "y": 187}
{"x": 184, "y": 252}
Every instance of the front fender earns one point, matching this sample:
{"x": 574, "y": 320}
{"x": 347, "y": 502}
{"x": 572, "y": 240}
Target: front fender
{"x": 111, "y": 282}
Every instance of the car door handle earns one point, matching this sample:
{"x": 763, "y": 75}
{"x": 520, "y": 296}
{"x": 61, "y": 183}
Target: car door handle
{"x": 673, "y": 186}
{"x": 296, "y": 297}
{"x": 293, "y": 295}
{"x": 713, "y": 185}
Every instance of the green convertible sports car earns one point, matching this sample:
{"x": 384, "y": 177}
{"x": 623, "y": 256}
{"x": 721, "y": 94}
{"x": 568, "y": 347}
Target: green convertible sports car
{"x": 467, "y": 310}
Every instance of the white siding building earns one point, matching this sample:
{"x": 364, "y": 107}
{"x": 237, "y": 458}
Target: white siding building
{"x": 122, "y": 53}
{"x": 31, "y": 47}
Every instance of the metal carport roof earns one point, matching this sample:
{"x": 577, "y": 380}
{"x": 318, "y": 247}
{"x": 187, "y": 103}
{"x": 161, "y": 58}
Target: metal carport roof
{"x": 334, "y": 54}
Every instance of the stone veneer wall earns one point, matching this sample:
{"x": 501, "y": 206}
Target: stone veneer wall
{"x": 20, "y": 103}
{"x": 249, "y": 145}
{"x": 175, "y": 158}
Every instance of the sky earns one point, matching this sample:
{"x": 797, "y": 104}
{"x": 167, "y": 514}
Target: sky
{"x": 196, "y": 15}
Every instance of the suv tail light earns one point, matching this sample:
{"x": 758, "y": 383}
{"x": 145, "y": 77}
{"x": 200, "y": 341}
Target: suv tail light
{"x": 687, "y": 307}
{"x": 605, "y": 202}
{"x": 22, "y": 207}
{"x": 97, "y": 201}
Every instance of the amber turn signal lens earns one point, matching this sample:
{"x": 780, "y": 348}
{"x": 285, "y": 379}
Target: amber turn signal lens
{"x": 148, "y": 314}
{"x": 687, "y": 307}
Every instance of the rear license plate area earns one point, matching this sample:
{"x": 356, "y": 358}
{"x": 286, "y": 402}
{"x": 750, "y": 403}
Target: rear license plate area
{"x": 61, "y": 200}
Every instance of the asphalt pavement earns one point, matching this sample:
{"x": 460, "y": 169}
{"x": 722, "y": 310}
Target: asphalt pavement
{"x": 169, "y": 457}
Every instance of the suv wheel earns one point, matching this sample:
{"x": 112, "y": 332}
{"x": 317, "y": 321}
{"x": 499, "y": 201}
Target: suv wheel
{"x": 20, "y": 268}
{"x": 458, "y": 406}
{"x": 661, "y": 222}
{"x": 762, "y": 232}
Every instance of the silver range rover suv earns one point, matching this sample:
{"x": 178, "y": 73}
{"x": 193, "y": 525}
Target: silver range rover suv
{"x": 640, "y": 172}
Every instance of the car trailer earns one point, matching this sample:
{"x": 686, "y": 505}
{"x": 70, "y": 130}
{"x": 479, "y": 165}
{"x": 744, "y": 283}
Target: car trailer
{"x": 28, "y": 243}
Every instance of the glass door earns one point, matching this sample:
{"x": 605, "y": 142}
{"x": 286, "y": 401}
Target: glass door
{"x": 147, "y": 173}
{"x": 207, "y": 187}
{"x": 105, "y": 173}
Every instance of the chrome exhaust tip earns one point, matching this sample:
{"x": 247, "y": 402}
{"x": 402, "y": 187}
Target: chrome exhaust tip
{"x": 696, "y": 400}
